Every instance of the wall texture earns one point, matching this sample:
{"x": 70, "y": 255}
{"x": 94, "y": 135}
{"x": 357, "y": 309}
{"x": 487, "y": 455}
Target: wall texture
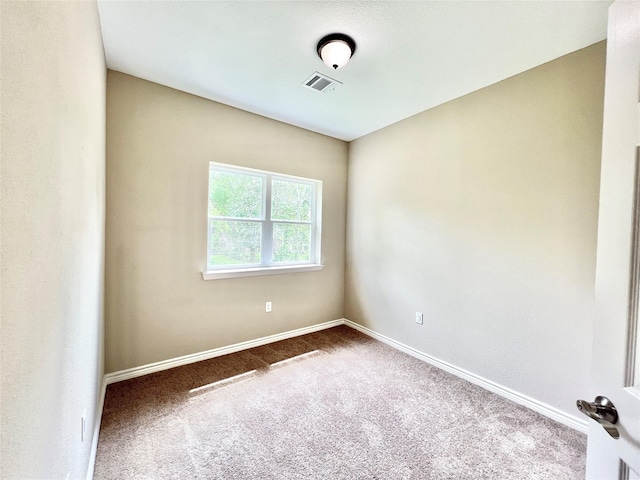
{"x": 52, "y": 235}
{"x": 159, "y": 145}
{"x": 482, "y": 213}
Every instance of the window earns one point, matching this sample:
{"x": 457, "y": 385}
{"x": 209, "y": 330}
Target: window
{"x": 261, "y": 222}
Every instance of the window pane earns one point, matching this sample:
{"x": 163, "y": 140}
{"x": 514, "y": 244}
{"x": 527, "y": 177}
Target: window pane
{"x": 234, "y": 243}
{"x": 291, "y": 242}
{"x": 235, "y": 195}
{"x": 291, "y": 201}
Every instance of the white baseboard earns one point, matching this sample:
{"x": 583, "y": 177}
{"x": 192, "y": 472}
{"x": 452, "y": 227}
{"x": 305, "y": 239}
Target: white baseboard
{"x": 536, "y": 405}
{"x": 216, "y": 352}
{"x": 96, "y": 430}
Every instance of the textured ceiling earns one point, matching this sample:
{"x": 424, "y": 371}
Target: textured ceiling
{"x": 411, "y": 55}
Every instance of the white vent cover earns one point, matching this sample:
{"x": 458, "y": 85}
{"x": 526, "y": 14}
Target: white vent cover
{"x": 321, "y": 83}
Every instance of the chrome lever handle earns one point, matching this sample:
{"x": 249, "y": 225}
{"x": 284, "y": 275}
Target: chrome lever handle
{"x": 602, "y": 411}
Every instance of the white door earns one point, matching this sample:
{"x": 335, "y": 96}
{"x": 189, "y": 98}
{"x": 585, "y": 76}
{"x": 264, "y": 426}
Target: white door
{"x": 616, "y": 355}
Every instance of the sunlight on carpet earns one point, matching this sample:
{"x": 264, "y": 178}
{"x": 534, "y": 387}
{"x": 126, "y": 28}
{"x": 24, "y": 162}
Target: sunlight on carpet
{"x": 333, "y": 404}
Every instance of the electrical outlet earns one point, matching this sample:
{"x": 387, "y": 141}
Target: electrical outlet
{"x": 83, "y": 433}
{"x": 419, "y": 318}
{"x": 268, "y": 307}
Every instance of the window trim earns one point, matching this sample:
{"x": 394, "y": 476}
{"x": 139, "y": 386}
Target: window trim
{"x": 258, "y": 271}
{"x": 265, "y": 268}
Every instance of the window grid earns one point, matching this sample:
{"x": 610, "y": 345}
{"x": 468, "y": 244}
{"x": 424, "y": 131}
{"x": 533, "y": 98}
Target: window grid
{"x": 266, "y": 222}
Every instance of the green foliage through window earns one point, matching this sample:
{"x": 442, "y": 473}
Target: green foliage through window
{"x": 234, "y": 243}
{"x": 240, "y": 234}
{"x": 291, "y": 242}
{"x": 291, "y": 201}
{"x": 235, "y": 195}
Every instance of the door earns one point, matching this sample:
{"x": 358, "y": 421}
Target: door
{"x": 616, "y": 360}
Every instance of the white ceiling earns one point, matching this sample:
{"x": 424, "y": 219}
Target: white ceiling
{"x": 411, "y": 55}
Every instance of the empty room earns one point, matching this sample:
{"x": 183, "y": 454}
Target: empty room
{"x": 320, "y": 239}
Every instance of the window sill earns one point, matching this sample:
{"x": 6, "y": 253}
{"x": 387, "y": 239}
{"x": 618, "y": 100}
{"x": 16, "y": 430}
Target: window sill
{"x": 257, "y": 271}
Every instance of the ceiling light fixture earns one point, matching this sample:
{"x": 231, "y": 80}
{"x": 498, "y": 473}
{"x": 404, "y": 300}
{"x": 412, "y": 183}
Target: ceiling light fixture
{"x": 336, "y": 49}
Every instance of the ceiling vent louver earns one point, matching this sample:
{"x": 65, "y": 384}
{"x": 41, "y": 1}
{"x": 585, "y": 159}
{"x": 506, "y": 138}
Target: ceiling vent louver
{"x": 321, "y": 83}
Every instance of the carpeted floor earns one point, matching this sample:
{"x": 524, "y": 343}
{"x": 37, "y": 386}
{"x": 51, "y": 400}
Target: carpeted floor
{"x": 330, "y": 405}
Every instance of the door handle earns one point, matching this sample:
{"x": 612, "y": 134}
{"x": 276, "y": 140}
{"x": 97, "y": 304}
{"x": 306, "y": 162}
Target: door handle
{"x": 602, "y": 411}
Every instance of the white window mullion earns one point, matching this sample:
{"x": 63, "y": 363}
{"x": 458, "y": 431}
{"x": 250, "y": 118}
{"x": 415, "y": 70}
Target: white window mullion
{"x": 208, "y": 242}
{"x": 267, "y": 225}
{"x": 314, "y": 256}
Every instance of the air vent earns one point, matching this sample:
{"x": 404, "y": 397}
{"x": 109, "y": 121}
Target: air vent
{"x": 321, "y": 83}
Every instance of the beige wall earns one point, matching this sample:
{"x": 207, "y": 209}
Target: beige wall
{"x": 159, "y": 145}
{"x": 482, "y": 213}
{"x": 52, "y": 235}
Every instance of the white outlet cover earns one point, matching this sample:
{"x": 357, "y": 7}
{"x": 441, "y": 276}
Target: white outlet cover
{"x": 419, "y": 318}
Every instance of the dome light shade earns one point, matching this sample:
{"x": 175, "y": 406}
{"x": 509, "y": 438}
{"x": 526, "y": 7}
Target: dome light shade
{"x": 336, "y": 49}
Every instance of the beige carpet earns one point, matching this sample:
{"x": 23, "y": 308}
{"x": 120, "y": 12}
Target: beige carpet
{"x": 329, "y": 405}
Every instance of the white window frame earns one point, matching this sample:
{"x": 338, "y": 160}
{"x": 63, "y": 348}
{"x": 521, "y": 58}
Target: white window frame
{"x": 267, "y": 266}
